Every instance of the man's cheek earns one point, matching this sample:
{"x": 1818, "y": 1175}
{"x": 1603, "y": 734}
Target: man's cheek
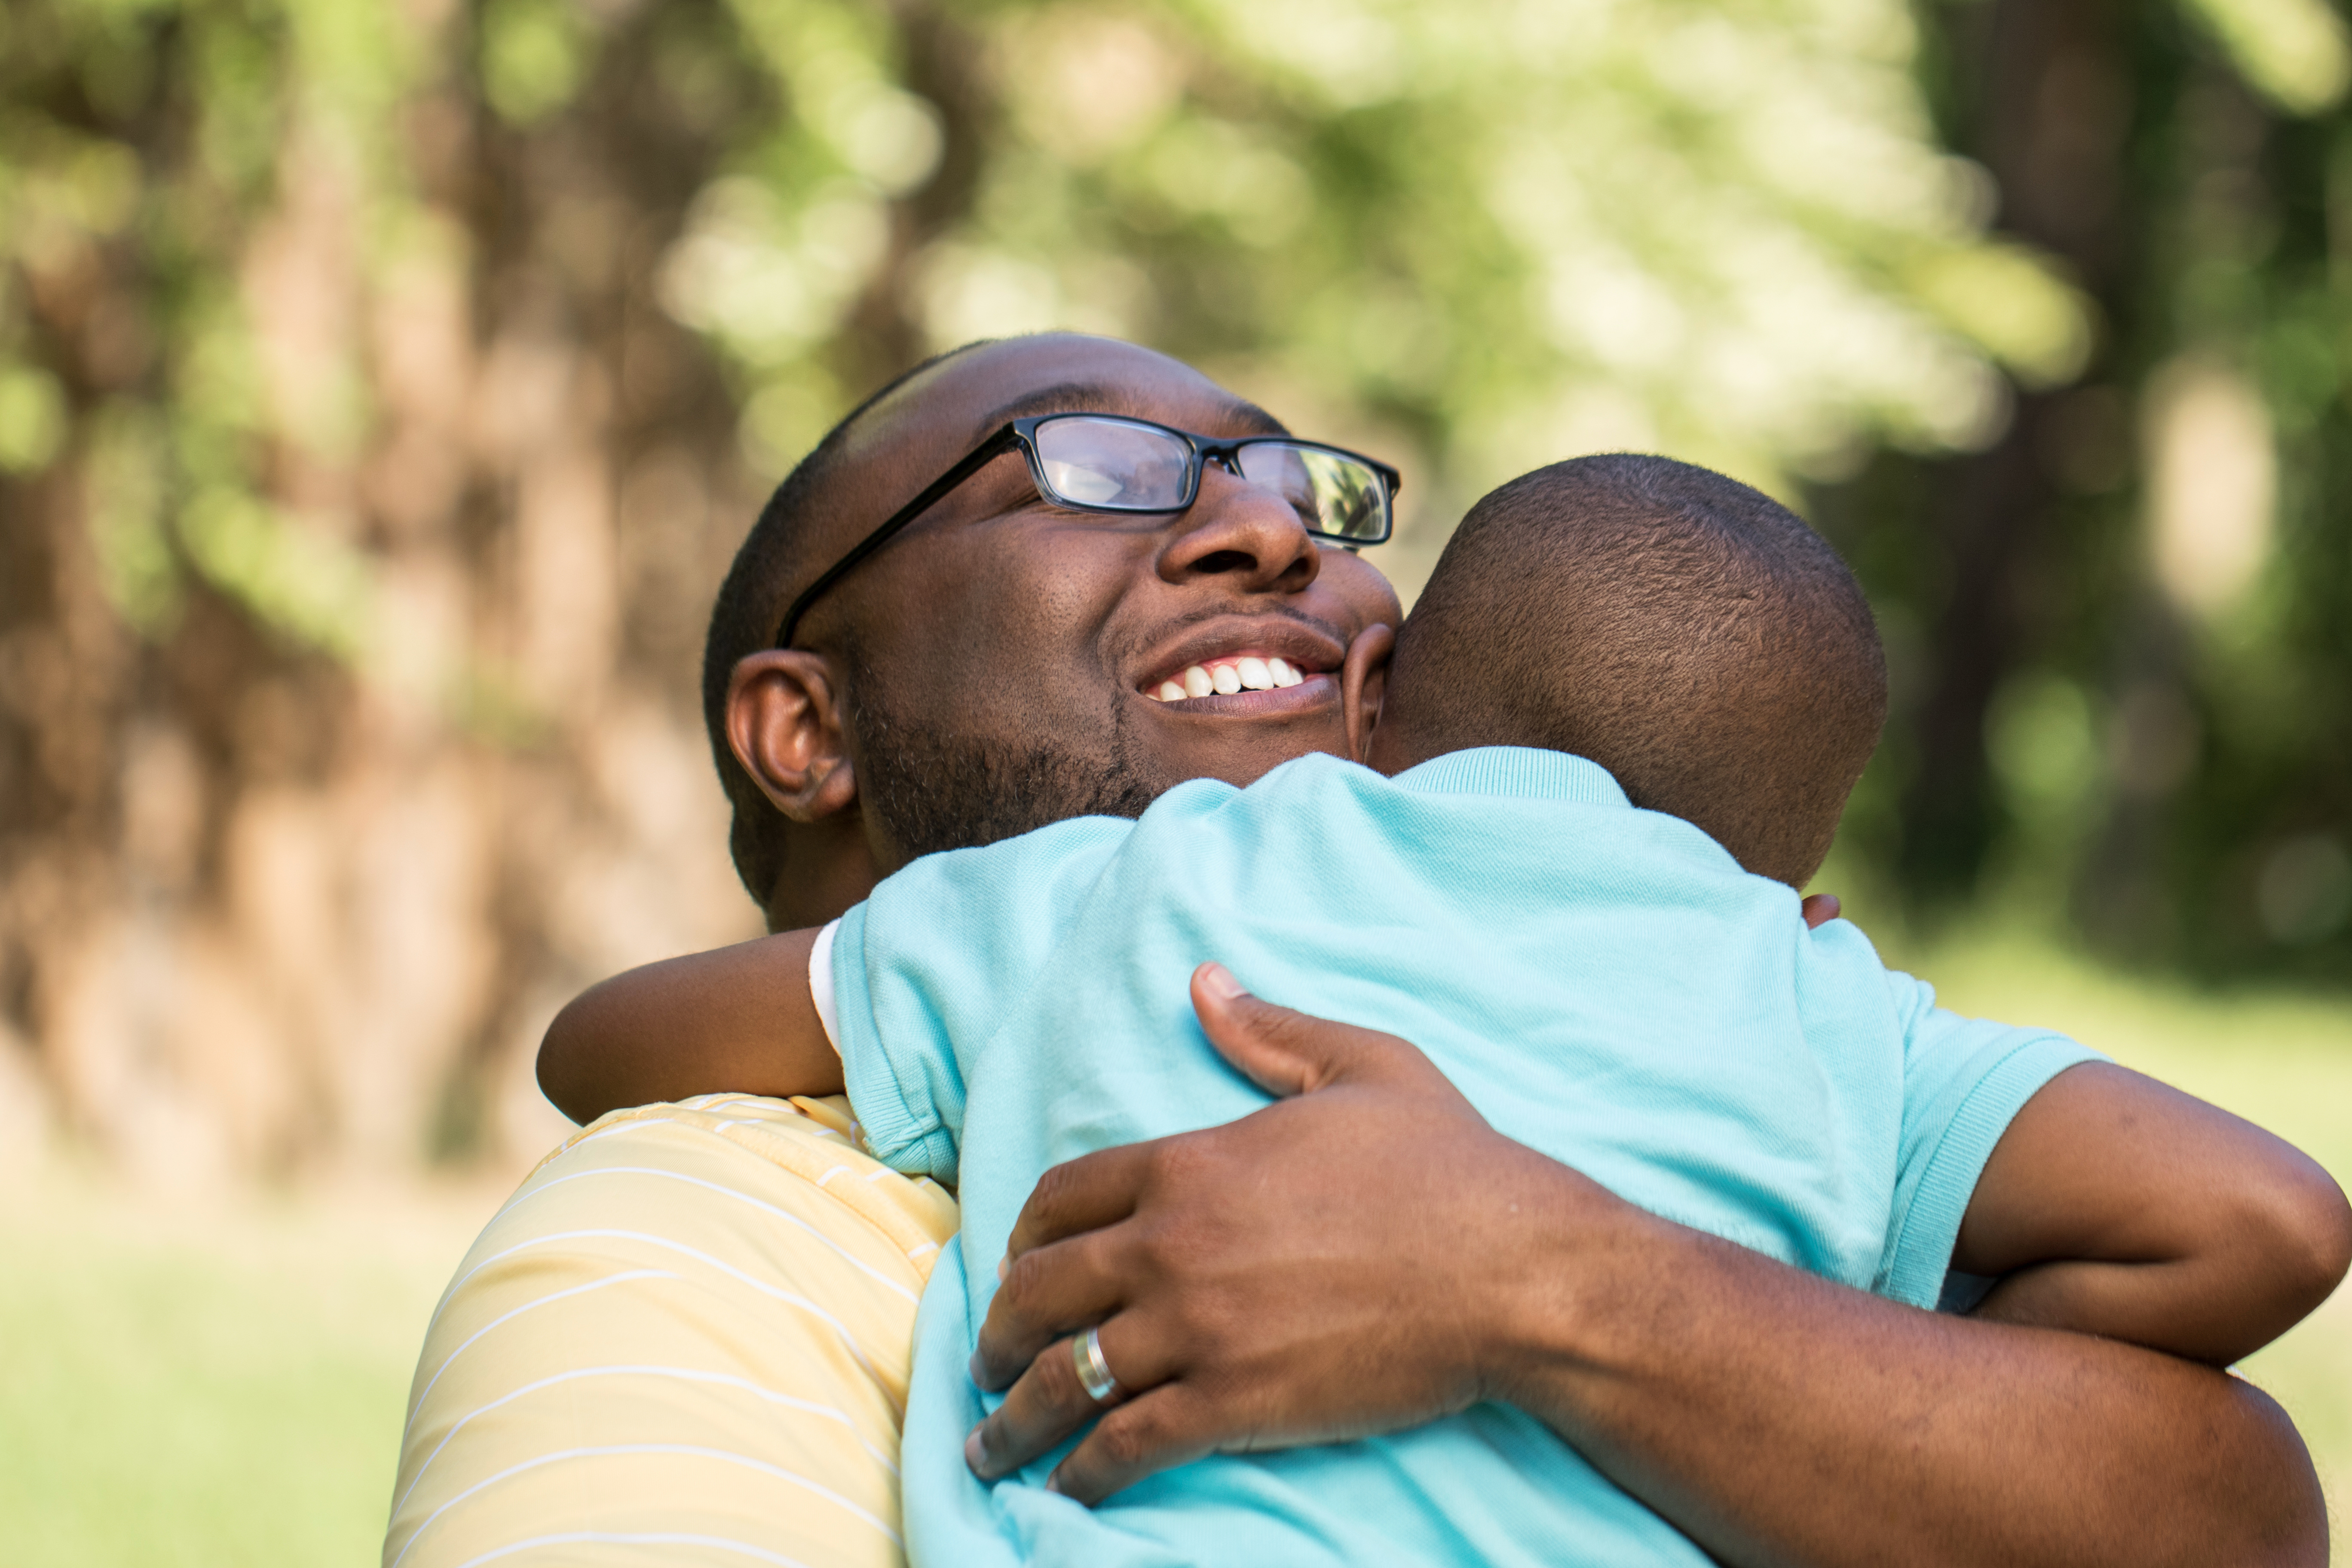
{"x": 1363, "y": 594}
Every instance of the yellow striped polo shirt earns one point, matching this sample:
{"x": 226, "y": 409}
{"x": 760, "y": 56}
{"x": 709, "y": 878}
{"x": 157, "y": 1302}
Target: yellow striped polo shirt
{"x": 685, "y": 1339}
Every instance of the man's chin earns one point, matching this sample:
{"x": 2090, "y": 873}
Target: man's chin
{"x": 1238, "y": 737}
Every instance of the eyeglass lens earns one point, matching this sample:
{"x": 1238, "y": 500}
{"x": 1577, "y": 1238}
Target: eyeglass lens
{"x": 1111, "y": 463}
{"x": 1338, "y": 497}
{"x": 1119, "y": 465}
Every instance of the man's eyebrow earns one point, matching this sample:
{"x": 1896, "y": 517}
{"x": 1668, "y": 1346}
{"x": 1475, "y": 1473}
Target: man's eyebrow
{"x": 1104, "y": 397}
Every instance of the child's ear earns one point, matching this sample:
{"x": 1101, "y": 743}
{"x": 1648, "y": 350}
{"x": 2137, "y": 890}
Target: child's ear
{"x": 784, "y": 725}
{"x": 1363, "y": 683}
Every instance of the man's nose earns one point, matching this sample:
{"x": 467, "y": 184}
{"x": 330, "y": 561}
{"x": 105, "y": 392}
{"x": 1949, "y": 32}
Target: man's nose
{"x": 1244, "y": 531}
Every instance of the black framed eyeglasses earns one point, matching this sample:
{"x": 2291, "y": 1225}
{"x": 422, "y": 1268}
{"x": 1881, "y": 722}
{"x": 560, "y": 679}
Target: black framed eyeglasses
{"x": 1108, "y": 463}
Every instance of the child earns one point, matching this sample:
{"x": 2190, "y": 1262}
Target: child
{"x": 1616, "y": 738}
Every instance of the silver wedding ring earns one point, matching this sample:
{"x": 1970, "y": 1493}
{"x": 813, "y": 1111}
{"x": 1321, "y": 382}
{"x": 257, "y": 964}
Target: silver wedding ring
{"x": 1093, "y": 1373}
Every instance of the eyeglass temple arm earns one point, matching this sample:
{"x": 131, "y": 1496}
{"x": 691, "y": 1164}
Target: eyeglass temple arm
{"x": 987, "y": 452}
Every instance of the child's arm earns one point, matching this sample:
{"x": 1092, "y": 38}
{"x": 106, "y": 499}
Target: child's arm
{"x": 739, "y": 1019}
{"x": 2117, "y": 1207}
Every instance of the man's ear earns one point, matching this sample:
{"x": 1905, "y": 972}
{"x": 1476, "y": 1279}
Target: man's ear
{"x": 1363, "y": 683}
{"x": 784, "y": 725}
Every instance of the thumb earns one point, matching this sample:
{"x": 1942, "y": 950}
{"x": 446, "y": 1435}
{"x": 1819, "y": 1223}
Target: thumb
{"x": 1282, "y": 1051}
{"x": 1818, "y": 910}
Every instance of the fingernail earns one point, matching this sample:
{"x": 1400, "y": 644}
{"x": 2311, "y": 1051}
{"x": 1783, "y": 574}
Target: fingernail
{"x": 972, "y": 1366}
{"x": 1219, "y": 982}
{"x": 973, "y": 1453}
{"x": 1004, "y": 1267}
{"x": 1054, "y": 1483}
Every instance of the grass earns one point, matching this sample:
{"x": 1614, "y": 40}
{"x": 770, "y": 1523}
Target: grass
{"x": 195, "y": 1382}
{"x": 203, "y": 1384}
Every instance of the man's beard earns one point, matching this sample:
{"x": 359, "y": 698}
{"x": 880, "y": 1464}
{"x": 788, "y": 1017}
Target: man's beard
{"x": 934, "y": 788}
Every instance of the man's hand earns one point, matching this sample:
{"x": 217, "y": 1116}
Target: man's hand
{"x": 1282, "y": 1280}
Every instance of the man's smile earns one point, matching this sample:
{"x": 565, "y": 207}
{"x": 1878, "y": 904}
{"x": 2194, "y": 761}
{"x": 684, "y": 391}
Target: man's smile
{"x": 1257, "y": 665}
{"x": 1228, "y": 674}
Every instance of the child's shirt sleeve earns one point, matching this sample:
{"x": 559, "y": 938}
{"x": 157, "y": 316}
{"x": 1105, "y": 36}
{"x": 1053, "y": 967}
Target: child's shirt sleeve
{"x": 925, "y": 971}
{"x": 1964, "y": 1081}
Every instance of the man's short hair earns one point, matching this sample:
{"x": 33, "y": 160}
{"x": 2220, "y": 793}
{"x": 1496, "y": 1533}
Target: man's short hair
{"x": 771, "y": 561}
{"x": 1684, "y": 631}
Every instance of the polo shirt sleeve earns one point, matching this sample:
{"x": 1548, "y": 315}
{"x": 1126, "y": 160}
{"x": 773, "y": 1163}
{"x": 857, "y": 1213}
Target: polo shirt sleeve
{"x": 1964, "y": 1079}
{"x": 926, "y": 970}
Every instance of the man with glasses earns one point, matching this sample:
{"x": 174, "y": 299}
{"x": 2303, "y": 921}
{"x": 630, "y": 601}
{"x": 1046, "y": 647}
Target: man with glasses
{"x": 689, "y": 1329}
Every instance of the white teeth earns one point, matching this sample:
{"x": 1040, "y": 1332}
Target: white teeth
{"x": 1249, "y": 673}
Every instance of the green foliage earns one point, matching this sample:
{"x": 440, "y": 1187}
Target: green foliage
{"x": 2161, "y": 555}
{"x": 32, "y": 417}
{"x": 143, "y": 146}
{"x": 1500, "y": 231}
{"x": 534, "y": 53}
{"x": 1503, "y": 231}
{"x": 1479, "y": 237}
{"x": 2295, "y": 52}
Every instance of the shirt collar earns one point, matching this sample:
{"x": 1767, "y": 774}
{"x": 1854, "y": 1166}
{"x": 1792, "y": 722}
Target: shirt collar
{"x": 1522, "y": 773}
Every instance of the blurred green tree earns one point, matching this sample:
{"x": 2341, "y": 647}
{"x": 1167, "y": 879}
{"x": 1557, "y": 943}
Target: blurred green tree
{"x": 2124, "y": 682}
{"x": 382, "y": 384}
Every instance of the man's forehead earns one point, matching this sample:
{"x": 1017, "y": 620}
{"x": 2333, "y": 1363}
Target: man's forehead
{"x": 967, "y": 397}
{"x": 1113, "y": 397}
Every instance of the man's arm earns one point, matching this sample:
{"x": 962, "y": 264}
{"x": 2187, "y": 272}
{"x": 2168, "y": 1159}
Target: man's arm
{"x": 737, "y": 1019}
{"x": 1410, "y": 1261}
{"x": 2116, "y": 1205}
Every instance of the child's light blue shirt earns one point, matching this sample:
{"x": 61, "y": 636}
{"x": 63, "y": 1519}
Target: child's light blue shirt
{"x": 1604, "y": 984}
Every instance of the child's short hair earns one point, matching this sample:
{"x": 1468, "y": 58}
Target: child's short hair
{"x": 1687, "y": 633}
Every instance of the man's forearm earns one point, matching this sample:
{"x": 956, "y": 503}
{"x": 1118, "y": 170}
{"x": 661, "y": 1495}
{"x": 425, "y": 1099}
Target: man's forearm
{"x": 1777, "y": 1418}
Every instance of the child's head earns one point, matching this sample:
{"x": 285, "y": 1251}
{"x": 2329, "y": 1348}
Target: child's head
{"x": 1685, "y": 632}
